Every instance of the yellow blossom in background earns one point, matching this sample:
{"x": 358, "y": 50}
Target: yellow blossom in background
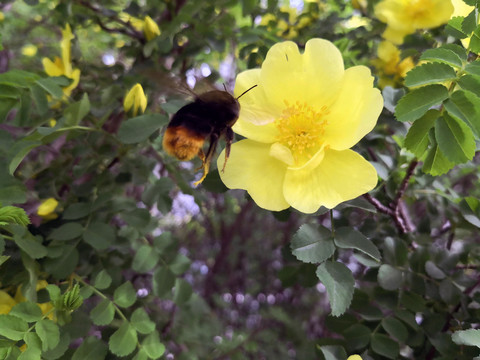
{"x": 2, "y": 17}
{"x": 47, "y": 209}
{"x": 63, "y": 66}
{"x": 390, "y": 67}
{"x": 300, "y": 122}
{"x": 354, "y": 357}
{"x": 286, "y": 28}
{"x": 45, "y": 307}
{"x": 404, "y": 17}
{"x": 150, "y": 28}
{"x": 6, "y": 302}
{"x": 136, "y": 22}
{"x": 29, "y": 50}
{"x": 135, "y": 100}
{"x": 52, "y": 122}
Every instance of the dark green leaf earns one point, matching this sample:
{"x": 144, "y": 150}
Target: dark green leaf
{"x": 389, "y": 277}
{"x": 68, "y": 231}
{"x": 152, "y": 346}
{"x": 12, "y": 327}
{"x": 31, "y": 245}
{"x": 103, "y": 313}
{"x": 474, "y": 45}
{"x": 20, "y": 150}
{"x": 183, "y": 291}
{"x": 442, "y": 55}
{"x": 60, "y": 349}
{"x": 99, "y": 235}
{"x": 434, "y": 271}
{"x": 469, "y": 23}
{"x": 103, "y": 280}
{"x": 395, "y": 328}
{"x": 470, "y": 83}
{"x": 339, "y": 282}
{"x": 76, "y": 111}
{"x": 449, "y": 292}
{"x": 349, "y": 238}
{"x": 417, "y": 138}
{"x": 333, "y": 352}
{"x": 180, "y": 264}
{"x": 163, "y": 281}
{"x": 417, "y": 102}
{"x": 455, "y": 139}
{"x": 49, "y": 333}
{"x": 435, "y": 162}
{"x": 50, "y": 86}
{"x": 123, "y": 341}
{"x": 385, "y": 346}
{"x": 357, "y": 336}
{"x": 141, "y": 322}
{"x": 91, "y": 349}
{"x": 140, "y": 128}
{"x": 40, "y": 99}
{"x": 465, "y": 106}
{"x": 145, "y": 259}
{"x": 64, "y": 265}
{"x": 125, "y": 295}
{"x": 473, "y": 68}
{"x": 429, "y": 73}
{"x": 76, "y": 211}
{"x": 312, "y": 244}
{"x": 454, "y": 27}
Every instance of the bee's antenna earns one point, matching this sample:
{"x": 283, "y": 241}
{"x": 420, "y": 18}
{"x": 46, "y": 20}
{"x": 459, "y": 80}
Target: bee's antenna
{"x": 225, "y": 87}
{"x": 246, "y": 92}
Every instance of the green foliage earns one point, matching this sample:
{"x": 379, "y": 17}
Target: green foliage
{"x": 154, "y": 268}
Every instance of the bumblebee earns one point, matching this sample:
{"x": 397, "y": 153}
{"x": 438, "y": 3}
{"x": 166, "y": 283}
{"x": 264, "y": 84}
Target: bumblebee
{"x": 209, "y": 118}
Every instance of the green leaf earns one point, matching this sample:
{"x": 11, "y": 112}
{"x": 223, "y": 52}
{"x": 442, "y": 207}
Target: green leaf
{"x": 312, "y": 244}
{"x": 473, "y": 68}
{"x": 99, "y": 235}
{"x": 180, "y": 264}
{"x": 91, "y": 349}
{"x": 469, "y": 23}
{"x": 13, "y": 215}
{"x": 417, "y": 138}
{"x": 75, "y": 112}
{"x": 141, "y": 355}
{"x": 103, "y": 280}
{"x": 442, "y": 55}
{"x": 60, "y": 349}
{"x": 455, "y": 139}
{"x": 470, "y": 83}
{"x": 349, "y": 238}
{"x": 140, "y": 128}
{"x": 39, "y": 98}
{"x": 435, "y": 162}
{"x": 163, "y": 281}
{"x": 34, "y": 347}
{"x": 470, "y": 337}
{"x": 465, "y": 106}
{"x": 27, "y": 311}
{"x": 434, "y": 271}
{"x": 389, "y": 278}
{"x": 31, "y": 245}
{"x": 333, "y": 352}
{"x": 141, "y": 322}
{"x": 21, "y": 149}
{"x": 429, "y": 73}
{"x": 123, "y": 341}
{"x": 65, "y": 264}
{"x": 145, "y": 259}
{"x": 152, "y": 346}
{"x": 417, "y": 102}
{"x": 395, "y": 328}
{"x": 357, "y": 336}
{"x": 383, "y": 345}
{"x": 103, "y": 313}
{"x": 454, "y": 27}
{"x": 68, "y": 231}
{"x": 50, "y": 86}
{"x": 474, "y": 45}
{"x": 48, "y": 332}
{"x": 183, "y": 292}
{"x": 339, "y": 282}
{"x": 77, "y": 211}
{"x": 125, "y": 295}
{"x": 12, "y": 327}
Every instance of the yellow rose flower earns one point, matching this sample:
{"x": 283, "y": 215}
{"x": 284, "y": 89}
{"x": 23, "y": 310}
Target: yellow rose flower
{"x": 150, "y": 28}
{"x": 300, "y": 122}
{"x": 47, "y": 209}
{"x": 390, "y": 67}
{"x": 404, "y": 17}
{"x": 63, "y": 66}
{"x": 135, "y": 100}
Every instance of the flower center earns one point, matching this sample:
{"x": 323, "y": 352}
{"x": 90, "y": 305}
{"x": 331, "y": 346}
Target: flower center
{"x": 300, "y": 129}
{"x": 419, "y": 8}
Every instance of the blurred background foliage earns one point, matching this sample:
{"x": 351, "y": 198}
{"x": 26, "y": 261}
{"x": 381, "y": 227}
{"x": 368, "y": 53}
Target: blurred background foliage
{"x": 123, "y": 258}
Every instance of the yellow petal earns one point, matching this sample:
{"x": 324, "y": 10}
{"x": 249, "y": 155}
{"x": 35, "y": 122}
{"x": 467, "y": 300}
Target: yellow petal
{"x": 47, "y": 207}
{"x": 67, "y": 37}
{"x": 150, "y": 28}
{"x": 53, "y": 68}
{"x": 255, "y": 105}
{"x": 354, "y": 357}
{"x": 287, "y": 75}
{"x": 6, "y": 302}
{"x": 250, "y": 167}
{"x": 355, "y": 111}
{"x": 75, "y": 76}
{"x": 262, "y": 133}
{"x": 341, "y": 176}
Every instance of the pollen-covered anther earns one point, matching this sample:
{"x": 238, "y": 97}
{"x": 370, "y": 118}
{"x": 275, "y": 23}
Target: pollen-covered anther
{"x": 301, "y": 128}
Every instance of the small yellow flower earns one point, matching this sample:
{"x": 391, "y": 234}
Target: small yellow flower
{"x": 135, "y": 100}
{"x": 300, "y": 122}
{"x": 150, "y": 28}
{"x": 52, "y": 122}
{"x": 2, "y": 17}
{"x": 390, "y": 67}
{"x": 29, "y": 50}
{"x": 136, "y": 22}
{"x": 63, "y": 66}
{"x": 354, "y": 357}
{"x": 404, "y": 17}
{"x": 47, "y": 208}
{"x": 6, "y": 302}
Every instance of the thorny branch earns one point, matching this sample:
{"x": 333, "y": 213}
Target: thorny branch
{"x": 396, "y": 210}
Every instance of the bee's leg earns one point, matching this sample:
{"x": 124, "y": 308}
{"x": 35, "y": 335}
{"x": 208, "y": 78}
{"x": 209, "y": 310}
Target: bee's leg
{"x": 229, "y": 135}
{"x": 201, "y": 155}
{"x": 208, "y": 158}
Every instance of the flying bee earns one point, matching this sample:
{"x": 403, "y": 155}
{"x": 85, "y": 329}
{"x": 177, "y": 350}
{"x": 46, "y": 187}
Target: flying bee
{"x": 210, "y": 117}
